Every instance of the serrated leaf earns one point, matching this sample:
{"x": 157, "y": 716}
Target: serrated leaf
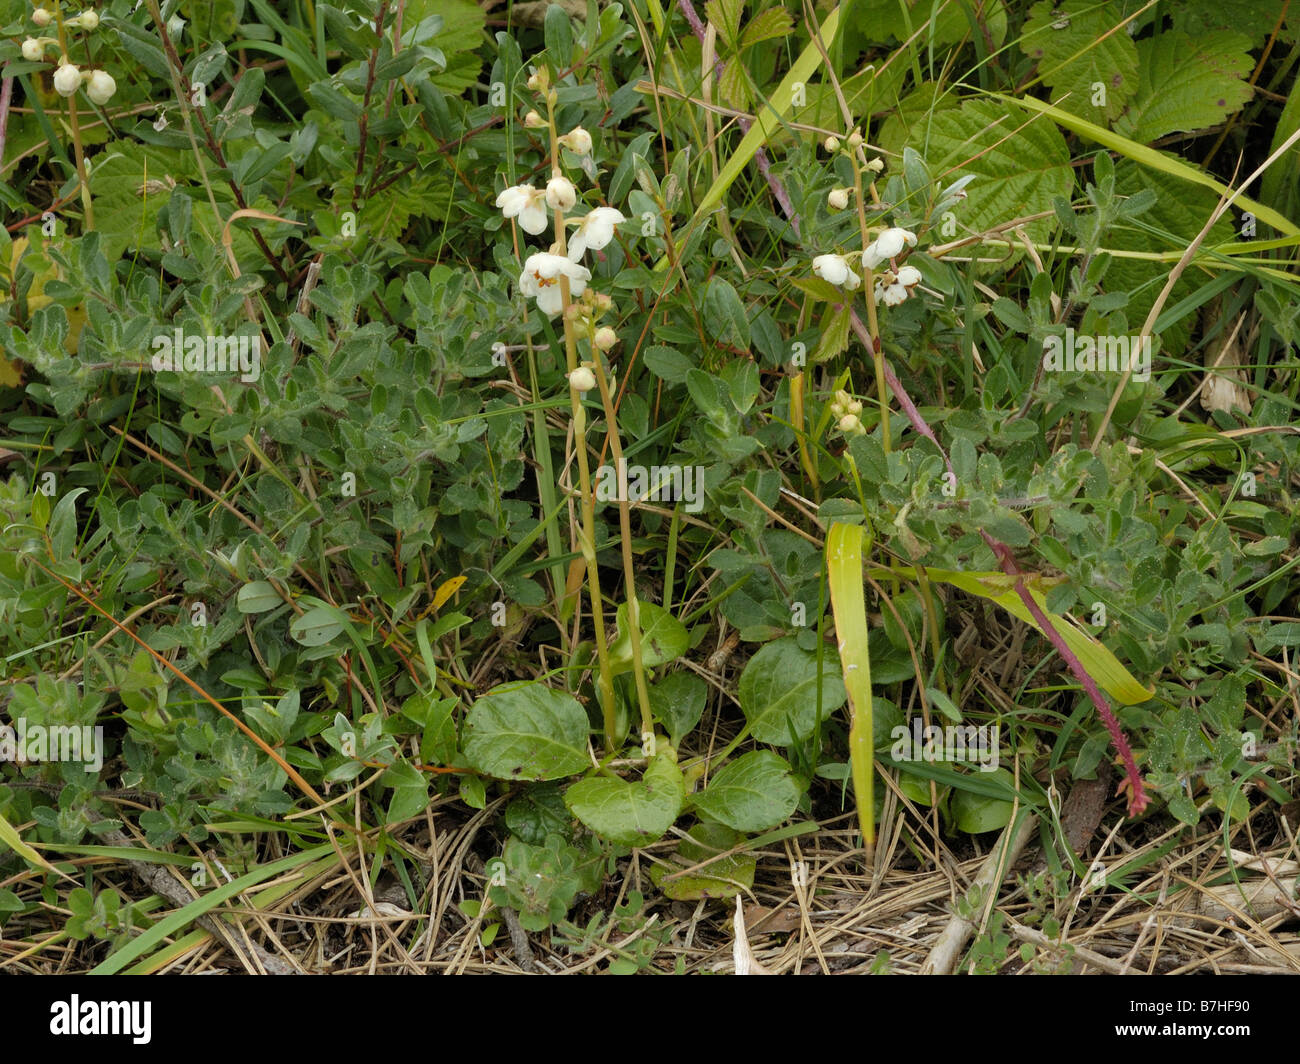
{"x": 778, "y": 691}
{"x": 526, "y": 731}
{"x": 753, "y": 793}
{"x": 1017, "y": 170}
{"x": 1186, "y": 84}
{"x": 767, "y": 25}
{"x": 627, "y": 813}
{"x": 1075, "y": 58}
{"x": 725, "y": 15}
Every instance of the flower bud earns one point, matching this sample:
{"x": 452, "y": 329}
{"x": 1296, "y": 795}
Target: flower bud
{"x": 101, "y": 87}
{"x": 876, "y": 165}
{"x": 605, "y": 338}
{"x": 41, "y": 17}
{"x": 849, "y": 423}
{"x": 838, "y": 199}
{"x": 560, "y": 193}
{"x": 577, "y": 140}
{"x": 855, "y": 140}
{"x": 67, "y": 79}
{"x": 831, "y": 144}
{"x": 582, "y": 379}
{"x": 532, "y": 120}
{"x": 854, "y": 407}
{"x": 88, "y": 20}
{"x": 33, "y": 50}
{"x": 539, "y": 80}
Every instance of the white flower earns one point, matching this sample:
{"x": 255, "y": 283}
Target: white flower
{"x": 835, "y": 269}
{"x": 560, "y": 193}
{"x": 876, "y": 165}
{"x": 577, "y": 140}
{"x": 582, "y": 379}
{"x": 892, "y": 295}
{"x": 525, "y": 203}
{"x": 33, "y": 50}
{"x": 605, "y": 338}
{"x": 838, "y": 199}
{"x": 67, "y": 79}
{"x": 532, "y": 120}
{"x": 908, "y": 276}
{"x": 886, "y": 246}
{"x": 855, "y": 140}
{"x": 541, "y": 280}
{"x": 831, "y": 144}
{"x": 88, "y": 20}
{"x": 101, "y": 87}
{"x": 594, "y": 231}
{"x": 41, "y": 17}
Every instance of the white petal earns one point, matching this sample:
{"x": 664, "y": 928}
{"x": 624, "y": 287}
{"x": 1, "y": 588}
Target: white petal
{"x": 533, "y": 219}
{"x": 908, "y": 276}
{"x": 550, "y": 300}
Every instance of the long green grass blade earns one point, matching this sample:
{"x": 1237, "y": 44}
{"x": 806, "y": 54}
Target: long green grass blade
{"x": 844, "y": 546}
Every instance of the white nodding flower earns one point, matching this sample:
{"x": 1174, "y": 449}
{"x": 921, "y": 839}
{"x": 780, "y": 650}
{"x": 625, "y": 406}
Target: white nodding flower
{"x": 835, "y": 269}
{"x": 605, "y": 338}
{"x": 582, "y": 379}
{"x": 838, "y": 199}
{"x": 33, "y": 50}
{"x": 527, "y": 204}
{"x": 831, "y": 144}
{"x": 101, "y": 87}
{"x": 541, "y": 280}
{"x": 560, "y": 193}
{"x": 909, "y": 276}
{"x": 886, "y": 246}
{"x": 577, "y": 140}
{"x": 594, "y": 231}
{"x": 891, "y": 295}
{"x": 532, "y": 120}
{"x": 41, "y": 16}
{"x": 67, "y": 79}
{"x": 88, "y": 20}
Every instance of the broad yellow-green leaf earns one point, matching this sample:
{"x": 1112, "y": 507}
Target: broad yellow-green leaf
{"x": 844, "y": 546}
{"x": 1101, "y": 664}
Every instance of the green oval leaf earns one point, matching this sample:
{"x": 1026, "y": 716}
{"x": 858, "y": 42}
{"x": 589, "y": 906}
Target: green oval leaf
{"x": 753, "y": 793}
{"x": 257, "y": 596}
{"x": 526, "y": 731}
{"x": 631, "y": 814}
{"x": 663, "y": 638}
{"x": 778, "y": 691}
